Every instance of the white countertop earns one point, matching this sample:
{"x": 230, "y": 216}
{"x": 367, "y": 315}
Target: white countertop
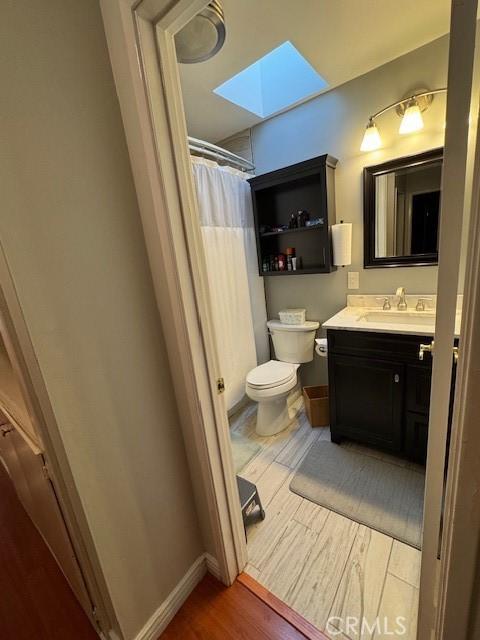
{"x": 355, "y": 316}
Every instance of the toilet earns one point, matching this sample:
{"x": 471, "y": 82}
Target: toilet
{"x": 274, "y": 383}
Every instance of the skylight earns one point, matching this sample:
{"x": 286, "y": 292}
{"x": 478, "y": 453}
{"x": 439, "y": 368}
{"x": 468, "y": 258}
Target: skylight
{"x": 278, "y": 80}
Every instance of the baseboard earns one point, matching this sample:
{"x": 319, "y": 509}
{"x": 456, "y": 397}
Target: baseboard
{"x": 169, "y": 607}
{"x": 212, "y": 566}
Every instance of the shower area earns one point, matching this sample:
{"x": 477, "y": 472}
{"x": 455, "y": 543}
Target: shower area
{"x": 236, "y": 290}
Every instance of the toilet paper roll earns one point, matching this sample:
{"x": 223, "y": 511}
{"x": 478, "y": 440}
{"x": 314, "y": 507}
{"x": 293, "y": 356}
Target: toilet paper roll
{"x": 321, "y": 347}
{"x": 342, "y": 243}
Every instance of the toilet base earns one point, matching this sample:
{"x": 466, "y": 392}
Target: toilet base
{"x": 274, "y": 415}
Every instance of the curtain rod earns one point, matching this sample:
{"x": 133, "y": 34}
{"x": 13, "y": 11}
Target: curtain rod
{"x": 201, "y": 146}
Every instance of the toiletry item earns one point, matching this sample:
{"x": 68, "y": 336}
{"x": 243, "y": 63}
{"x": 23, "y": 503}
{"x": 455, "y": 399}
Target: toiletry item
{"x": 314, "y": 222}
{"x": 290, "y": 254}
{"x": 275, "y": 264}
{"x": 293, "y": 224}
{"x": 302, "y": 217}
{"x": 282, "y": 262}
{"x": 294, "y": 263}
{"x": 265, "y": 265}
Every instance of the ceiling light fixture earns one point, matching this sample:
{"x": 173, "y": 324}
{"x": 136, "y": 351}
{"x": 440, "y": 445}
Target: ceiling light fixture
{"x": 409, "y": 109}
{"x": 203, "y": 36}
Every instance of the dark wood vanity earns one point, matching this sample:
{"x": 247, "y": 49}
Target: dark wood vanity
{"x": 380, "y": 390}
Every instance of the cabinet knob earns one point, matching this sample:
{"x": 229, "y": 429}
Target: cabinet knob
{"x": 396, "y": 378}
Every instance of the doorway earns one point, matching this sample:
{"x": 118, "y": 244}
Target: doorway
{"x": 165, "y": 45}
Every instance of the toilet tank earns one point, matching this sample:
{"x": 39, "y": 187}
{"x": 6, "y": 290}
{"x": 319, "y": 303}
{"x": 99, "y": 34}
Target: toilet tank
{"x": 293, "y": 342}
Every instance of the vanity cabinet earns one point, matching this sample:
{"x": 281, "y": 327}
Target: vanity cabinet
{"x": 380, "y": 390}
{"x": 370, "y": 396}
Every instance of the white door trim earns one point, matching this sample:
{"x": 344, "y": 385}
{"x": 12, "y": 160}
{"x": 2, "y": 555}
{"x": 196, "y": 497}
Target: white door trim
{"x": 140, "y": 39}
{"x": 461, "y": 539}
{"x": 96, "y": 600}
{"x": 453, "y": 202}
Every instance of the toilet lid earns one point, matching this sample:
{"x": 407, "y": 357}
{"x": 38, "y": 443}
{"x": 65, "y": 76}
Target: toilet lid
{"x": 308, "y": 325}
{"x": 271, "y": 374}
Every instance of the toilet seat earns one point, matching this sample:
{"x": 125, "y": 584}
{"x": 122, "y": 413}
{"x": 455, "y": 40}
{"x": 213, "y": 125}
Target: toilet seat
{"x": 272, "y": 374}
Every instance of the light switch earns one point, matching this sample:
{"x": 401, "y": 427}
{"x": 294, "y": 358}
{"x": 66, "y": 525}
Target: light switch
{"x": 353, "y": 280}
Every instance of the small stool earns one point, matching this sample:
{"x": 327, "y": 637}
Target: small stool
{"x": 248, "y": 496}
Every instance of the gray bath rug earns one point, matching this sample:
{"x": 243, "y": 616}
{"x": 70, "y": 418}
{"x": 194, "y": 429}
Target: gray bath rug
{"x": 379, "y": 494}
{"x": 243, "y": 450}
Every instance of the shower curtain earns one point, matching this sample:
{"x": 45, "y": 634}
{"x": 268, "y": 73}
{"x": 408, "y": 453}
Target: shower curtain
{"x": 236, "y": 290}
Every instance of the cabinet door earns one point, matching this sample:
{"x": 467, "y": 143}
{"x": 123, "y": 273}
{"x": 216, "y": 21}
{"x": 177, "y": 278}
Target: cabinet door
{"x": 416, "y": 437}
{"x": 419, "y": 382}
{"x": 367, "y": 400}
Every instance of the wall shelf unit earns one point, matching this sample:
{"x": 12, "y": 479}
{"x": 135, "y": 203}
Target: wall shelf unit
{"x": 309, "y": 186}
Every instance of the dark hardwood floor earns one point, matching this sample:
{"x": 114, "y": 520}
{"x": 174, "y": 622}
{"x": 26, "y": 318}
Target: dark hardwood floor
{"x": 214, "y": 612}
{"x": 36, "y": 602}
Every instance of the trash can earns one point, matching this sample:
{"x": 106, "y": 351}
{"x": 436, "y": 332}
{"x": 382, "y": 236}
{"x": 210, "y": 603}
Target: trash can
{"x": 316, "y": 405}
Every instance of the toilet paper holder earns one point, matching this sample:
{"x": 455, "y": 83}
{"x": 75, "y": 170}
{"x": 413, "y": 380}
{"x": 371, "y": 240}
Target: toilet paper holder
{"x": 321, "y": 347}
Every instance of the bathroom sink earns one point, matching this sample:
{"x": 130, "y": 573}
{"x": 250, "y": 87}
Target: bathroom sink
{"x": 422, "y": 318}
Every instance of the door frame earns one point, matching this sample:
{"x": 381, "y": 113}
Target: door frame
{"x": 141, "y": 45}
{"x": 140, "y": 38}
{"x": 96, "y": 601}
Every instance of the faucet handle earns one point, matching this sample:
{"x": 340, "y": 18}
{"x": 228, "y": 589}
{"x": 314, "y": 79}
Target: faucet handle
{"x": 400, "y": 291}
{"x": 386, "y": 302}
{"x": 421, "y": 304}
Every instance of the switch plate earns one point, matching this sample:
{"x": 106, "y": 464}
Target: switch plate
{"x": 353, "y": 280}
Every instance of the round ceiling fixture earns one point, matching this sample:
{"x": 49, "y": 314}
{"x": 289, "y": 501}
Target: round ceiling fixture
{"x": 203, "y": 36}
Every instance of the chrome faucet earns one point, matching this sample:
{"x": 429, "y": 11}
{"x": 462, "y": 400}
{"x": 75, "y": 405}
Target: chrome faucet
{"x": 402, "y": 300}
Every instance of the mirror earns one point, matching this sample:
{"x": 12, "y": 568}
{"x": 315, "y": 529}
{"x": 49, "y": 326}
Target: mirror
{"x": 402, "y": 211}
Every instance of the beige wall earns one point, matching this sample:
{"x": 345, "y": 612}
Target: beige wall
{"x": 334, "y": 123}
{"x": 70, "y": 228}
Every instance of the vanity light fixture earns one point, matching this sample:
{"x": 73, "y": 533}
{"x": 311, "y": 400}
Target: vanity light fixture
{"x": 371, "y": 139}
{"x": 412, "y": 119}
{"x": 409, "y": 109}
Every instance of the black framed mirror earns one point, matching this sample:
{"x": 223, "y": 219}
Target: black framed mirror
{"x": 402, "y": 211}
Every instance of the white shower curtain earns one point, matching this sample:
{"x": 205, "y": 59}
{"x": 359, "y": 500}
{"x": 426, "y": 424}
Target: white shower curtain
{"x": 236, "y": 290}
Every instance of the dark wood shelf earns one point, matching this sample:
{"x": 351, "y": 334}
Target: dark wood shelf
{"x": 298, "y": 272}
{"x": 296, "y": 230}
{"x": 307, "y": 186}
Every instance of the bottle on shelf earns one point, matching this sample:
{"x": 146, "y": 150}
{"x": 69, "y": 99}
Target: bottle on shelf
{"x": 302, "y": 218}
{"x": 290, "y": 254}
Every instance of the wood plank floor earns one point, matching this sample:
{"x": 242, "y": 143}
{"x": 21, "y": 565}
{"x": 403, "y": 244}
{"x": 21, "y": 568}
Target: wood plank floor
{"x": 322, "y": 564}
{"x": 36, "y": 601}
{"x": 215, "y": 612}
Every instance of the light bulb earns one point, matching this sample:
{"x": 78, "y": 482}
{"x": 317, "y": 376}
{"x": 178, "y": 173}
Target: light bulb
{"x": 371, "y": 139}
{"x": 412, "y": 119}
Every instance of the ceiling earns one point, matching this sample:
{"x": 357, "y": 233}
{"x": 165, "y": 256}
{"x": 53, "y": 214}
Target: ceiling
{"x": 342, "y": 39}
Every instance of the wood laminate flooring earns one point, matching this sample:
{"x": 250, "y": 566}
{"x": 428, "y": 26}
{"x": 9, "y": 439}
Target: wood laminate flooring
{"x": 215, "y": 612}
{"x": 322, "y": 564}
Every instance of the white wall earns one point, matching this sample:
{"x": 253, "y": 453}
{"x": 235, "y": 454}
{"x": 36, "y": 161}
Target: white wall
{"x": 334, "y": 123}
{"x": 70, "y": 227}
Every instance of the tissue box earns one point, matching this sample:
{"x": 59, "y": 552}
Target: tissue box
{"x": 292, "y": 316}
